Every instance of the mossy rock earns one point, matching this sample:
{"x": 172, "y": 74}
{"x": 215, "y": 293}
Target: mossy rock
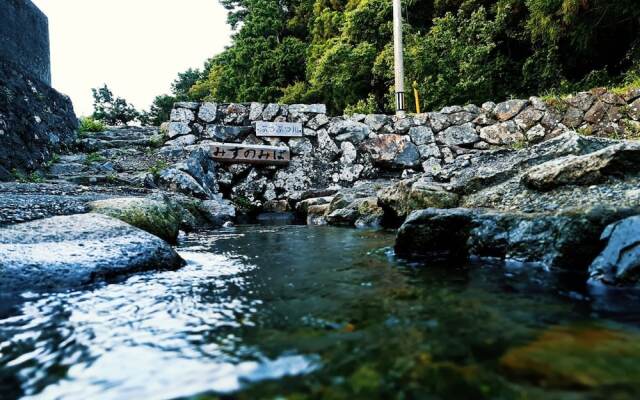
{"x": 154, "y": 216}
{"x": 578, "y": 357}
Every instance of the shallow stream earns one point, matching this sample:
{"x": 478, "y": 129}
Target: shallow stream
{"x": 297, "y": 312}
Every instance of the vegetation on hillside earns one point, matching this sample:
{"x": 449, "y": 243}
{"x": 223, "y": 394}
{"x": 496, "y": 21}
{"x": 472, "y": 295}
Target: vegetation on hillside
{"x": 339, "y": 52}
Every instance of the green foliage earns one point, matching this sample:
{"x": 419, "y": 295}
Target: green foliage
{"x": 159, "y": 112}
{"x": 339, "y": 52}
{"x": 90, "y": 125}
{"x": 93, "y": 158}
{"x": 111, "y": 110}
{"x": 156, "y": 168}
{"x": 33, "y": 177}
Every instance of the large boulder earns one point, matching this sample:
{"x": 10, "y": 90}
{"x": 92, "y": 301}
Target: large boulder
{"x": 71, "y": 251}
{"x": 588, "y": 169}
{"x": 409, "y": 195}
{"x": 469, "y": 174}
{"x": 619, "y": 262}
{"x": 156, "y": 217}
{"x": 567, "y": 239}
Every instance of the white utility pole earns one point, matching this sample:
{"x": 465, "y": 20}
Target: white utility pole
{"x": 398, "y": 57}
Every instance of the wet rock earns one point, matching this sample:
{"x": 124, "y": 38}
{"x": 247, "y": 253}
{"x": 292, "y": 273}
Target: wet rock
{"x": 361, "y": 213}
{"x": 506, "y": 110}
{"x": 393, "y": 151}
{"x": 619, "y": 262}
{"x": 577, "y": 357}
{"x": 567, "y": 239}
{"x": 316, "y": 214}
{"x": 217, "y": 210}
{"x": 71, "y": 251}
{"x": 459, "y": 135}
{"x": 303, "y": 206}
{"x": 406, "y": 196}
{"x": 588, "y": 169}
{"x": 156, "y": 217}
{"x": 276, "y": 206}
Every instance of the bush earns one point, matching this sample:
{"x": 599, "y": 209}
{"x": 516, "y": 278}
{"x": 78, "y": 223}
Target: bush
{"x": 90, "y": 125}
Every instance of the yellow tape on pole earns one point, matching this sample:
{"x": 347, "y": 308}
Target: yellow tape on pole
{"x": 416, "y": 95}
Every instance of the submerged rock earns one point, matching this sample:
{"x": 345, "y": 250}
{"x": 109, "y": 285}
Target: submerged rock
{"x": 70, "y": 251}
{"x": 619, "y": 262}
{"x": 575, "y": 356}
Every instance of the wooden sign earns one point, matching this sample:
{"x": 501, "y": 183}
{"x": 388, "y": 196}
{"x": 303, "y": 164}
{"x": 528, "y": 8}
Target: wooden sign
{"x": 279, "y": 129}
{"x": 248, "y": 153}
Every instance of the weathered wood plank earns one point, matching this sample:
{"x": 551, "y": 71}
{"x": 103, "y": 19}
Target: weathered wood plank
{"x": 279, "y": 129}
{"x": 248, "y": 153}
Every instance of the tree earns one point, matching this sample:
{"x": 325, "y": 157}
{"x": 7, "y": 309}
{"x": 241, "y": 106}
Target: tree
{"x": 339, "y": 52}
{"x": 111, "y": 110}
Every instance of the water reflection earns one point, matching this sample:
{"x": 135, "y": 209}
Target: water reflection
{"x": 257, "y": 305}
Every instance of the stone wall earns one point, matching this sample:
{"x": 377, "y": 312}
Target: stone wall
{"x": 24, "y": 38}
{"x": 340, "y": 151}
{"x": 35, "y": 122}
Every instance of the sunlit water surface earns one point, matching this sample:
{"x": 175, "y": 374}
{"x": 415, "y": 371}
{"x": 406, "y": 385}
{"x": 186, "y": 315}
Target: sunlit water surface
{"x": 298, "y": 312}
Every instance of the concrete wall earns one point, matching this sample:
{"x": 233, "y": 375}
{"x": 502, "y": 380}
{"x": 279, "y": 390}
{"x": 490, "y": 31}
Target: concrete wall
{"x": 24, "y": 37}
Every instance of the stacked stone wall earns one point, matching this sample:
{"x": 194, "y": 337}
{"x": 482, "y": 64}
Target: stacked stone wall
{"x": 340, "y": 151}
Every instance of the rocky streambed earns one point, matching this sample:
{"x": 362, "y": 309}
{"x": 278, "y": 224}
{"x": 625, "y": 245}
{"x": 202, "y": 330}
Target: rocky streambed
{"x": 442, "y": 231}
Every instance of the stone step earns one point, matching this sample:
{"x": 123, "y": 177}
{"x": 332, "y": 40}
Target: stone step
{"x": 92, "y": 145}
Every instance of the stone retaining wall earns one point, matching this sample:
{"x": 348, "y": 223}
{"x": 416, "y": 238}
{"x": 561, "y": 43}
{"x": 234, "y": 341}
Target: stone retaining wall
{"x": 24, "y": 38}
{"x": 339, "y": 151}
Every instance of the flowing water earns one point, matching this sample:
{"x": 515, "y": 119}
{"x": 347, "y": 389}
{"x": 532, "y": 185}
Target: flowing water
{"x": 297, "y": 312}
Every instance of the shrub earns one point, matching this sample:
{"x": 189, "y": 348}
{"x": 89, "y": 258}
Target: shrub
{"x": 90, "y": 125}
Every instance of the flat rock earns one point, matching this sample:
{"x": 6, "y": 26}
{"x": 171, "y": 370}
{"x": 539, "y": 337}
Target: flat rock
{"x": 70, "y": 251}
{"x": 588, "y": 169}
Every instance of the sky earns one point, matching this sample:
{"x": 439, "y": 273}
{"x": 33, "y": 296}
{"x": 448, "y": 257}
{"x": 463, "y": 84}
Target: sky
{"x": 136, "y": 47}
